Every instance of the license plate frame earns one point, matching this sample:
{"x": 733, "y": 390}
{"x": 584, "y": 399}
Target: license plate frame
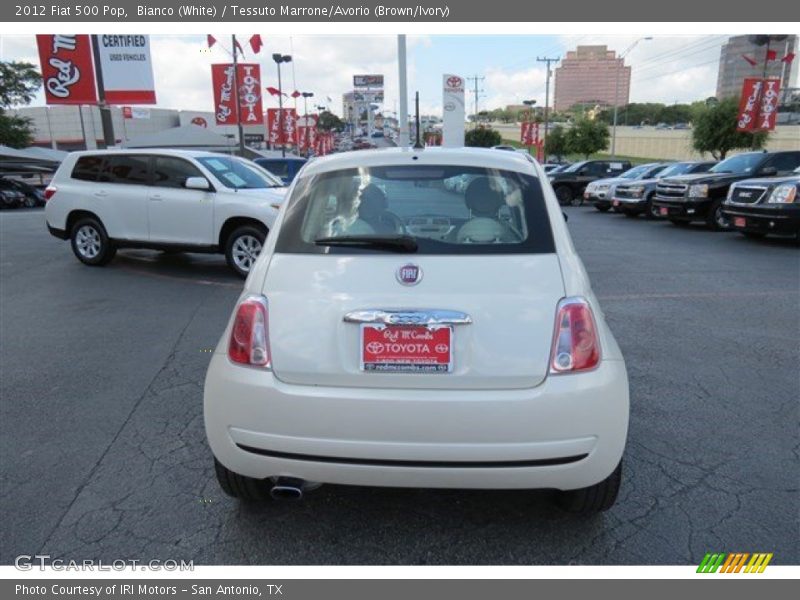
{"x": 397, "y": 356}
{"x": 739, "y": 222}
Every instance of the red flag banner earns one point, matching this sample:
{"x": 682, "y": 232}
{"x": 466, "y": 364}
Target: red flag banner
{"x": 788, "y": 58}
{"x": 256, "y": 43}
{"x": 758, "y": 105}
{"x": 529, "y": 133}
{"x": 67, "y": 69}
{"x": 274, "y": 135}
{"x": 771, "y": 55}
{"x": 752, "y": 61}
{"x": 250, "y": 101}
{"x": 211, "y": 40}
{"x": 306, "y": 133}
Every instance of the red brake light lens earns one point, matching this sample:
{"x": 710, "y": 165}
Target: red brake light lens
{"x": 249, "y": 343}
{"x": 49, "y": 192}
{"x": 575, "y": 343}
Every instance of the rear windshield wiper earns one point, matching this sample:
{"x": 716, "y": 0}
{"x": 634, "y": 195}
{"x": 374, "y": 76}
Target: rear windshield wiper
{"x": 390, "y": 243}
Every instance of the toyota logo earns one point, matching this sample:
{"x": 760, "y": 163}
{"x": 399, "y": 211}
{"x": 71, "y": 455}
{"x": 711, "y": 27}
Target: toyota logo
{"x": 200, "y": 122}
{"x": 374, "y": 347}
{"x": 454, "y": 82}
{"x": 409, "y": 274}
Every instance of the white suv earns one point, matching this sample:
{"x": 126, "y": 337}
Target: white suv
{"x": 162, "y": 199}
{"x": 398, "y": 331}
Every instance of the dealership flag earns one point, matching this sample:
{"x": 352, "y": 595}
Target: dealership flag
{"x": 274, "y": 135}
{"x": 788, "y": 58}
{"x": 248, "y": 77}
{"x": 296, "y": 94}
{"x": 771, "y": 55}
{"x": 256, "y": 44}
{"x": 211, "y": 40}
{"x": 752, "y": 61}
{"x": 758, "y": 105}
{"x": 67, "y": 69}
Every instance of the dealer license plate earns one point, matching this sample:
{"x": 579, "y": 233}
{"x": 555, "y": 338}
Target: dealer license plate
{"x": 739, "y": 222}
{"x": 663, "y": 211}
{"x": 406, "y": 349}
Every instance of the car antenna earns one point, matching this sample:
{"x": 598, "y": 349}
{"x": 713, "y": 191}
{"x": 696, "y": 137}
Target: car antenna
{"x": 418, "y": 144}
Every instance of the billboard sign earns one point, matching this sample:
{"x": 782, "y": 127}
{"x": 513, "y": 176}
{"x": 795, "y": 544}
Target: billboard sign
{"x": 127, "y": 69}
{"x": 453, "y": 104}
{"x": 368, "y": 81}
{"x": 67, "y": 69}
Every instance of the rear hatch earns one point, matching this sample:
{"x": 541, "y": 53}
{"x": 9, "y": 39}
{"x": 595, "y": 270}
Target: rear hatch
{"x": 509, "y": 302}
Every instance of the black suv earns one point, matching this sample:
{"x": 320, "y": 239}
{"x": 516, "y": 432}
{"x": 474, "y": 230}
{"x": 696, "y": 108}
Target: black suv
{"x": 757, "y": 207}
{"x": 570, "y": 183}
{"x": 688, "y": 198}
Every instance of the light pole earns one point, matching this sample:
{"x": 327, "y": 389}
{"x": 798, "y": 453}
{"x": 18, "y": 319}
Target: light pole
{"x": 281, "y": 58}
{"x": 616, "y": 93}
{"x": 306, "y": 96}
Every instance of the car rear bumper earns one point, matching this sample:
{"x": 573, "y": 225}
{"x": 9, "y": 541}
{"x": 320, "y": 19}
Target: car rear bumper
{"x": 568, "y": 432}
{"x": 760, "y": 219}
{"x": 683, "y": 210}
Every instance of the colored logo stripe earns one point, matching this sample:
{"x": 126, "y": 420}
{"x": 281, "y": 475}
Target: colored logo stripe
{"x": 734, "y": 562}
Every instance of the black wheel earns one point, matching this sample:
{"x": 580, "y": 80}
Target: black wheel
{"x": 564, "y": 195}
{"x": 650, "y": 211}
{"x": 243, "y": 247}
{"x": 679, "y": 223}
{"x": 240, "y": 486}
{"x": 716, "y": 220}
{"x": 29, "y": 202}
{"x": 593, "y": 499}
{"x": 602, "y": 207}
{"x": 90, "y": 242}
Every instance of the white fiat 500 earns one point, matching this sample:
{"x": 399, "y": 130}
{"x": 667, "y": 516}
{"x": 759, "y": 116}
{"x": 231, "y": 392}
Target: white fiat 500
{"x": 402, "y": 331}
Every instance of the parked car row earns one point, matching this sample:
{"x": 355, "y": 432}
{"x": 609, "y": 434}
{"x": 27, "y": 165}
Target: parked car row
{"x": 753, "y": 192}
{"x": 18, "y": 194}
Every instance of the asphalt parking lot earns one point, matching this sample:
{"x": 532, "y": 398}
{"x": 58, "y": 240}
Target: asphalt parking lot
{"x": 103, "y": 453}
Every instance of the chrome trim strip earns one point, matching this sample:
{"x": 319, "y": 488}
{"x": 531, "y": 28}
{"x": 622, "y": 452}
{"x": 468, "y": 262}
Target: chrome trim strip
{"x": 429, "y": 316}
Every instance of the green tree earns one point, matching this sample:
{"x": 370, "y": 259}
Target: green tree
{"x": 19, "y": 82}
{"x": 715, "y": 132}
{"x": 483, "y": 137}
{"x": 556, "y": 143}
{"x": 329, "y": 122}
{"x": 586, "y": 137}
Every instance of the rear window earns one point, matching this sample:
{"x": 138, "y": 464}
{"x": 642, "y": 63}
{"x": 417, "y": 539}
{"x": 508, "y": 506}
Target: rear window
{"x": 445, "y": 209}
{"x": 87, "y": 168}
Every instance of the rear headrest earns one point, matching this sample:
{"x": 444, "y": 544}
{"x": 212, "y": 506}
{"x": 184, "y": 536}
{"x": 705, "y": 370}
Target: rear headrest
{"x": 373, "y": 201}
{"x": 481, "y": 199}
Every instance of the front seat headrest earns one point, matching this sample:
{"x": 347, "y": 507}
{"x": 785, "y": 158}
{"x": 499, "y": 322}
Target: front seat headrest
{"x": 482, "y": 199}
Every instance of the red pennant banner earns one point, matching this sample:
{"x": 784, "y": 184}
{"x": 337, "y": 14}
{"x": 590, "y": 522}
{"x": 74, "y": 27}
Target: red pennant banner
{"x": 529, "y": 133}
{"x": 250, "y": 101}
{"x": 67, "y": 69}
{"x": 758, "y": 105}
{"x": 256, "y": 44}
{"x": 274, "y": 135}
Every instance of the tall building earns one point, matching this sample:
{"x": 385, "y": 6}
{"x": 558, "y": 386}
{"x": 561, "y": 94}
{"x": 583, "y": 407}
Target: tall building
{"x": 734, "y": 67}
{"x": 591, "y": 75}
{"x": 348, "y": 107}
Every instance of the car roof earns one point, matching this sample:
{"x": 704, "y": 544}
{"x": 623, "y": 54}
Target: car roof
{"x": 158, "y": 151}
{"x": 468, "y": 157}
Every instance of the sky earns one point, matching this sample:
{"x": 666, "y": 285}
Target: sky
{"x": 667, "y": 68}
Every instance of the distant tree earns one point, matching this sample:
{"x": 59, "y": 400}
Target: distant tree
{"x": 19, "y": 82}
{"x": 714, "y": 130}
{"x": 483, "y": 137}
{"x": 586, "y": 137}
{"x": 329, "y": 122}
{"x": 556, "y": 143}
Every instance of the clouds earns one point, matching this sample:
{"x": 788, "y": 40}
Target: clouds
{"x": 666, "y": 69}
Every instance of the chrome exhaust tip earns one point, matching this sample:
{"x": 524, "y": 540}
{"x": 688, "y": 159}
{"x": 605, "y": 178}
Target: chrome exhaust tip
{"x": 287, "y": 488}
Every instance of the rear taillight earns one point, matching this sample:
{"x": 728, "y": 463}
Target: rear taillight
{"x": 575, "y": 343}
{"x": 249, "y": 343}
{"x": 49, "y": 192}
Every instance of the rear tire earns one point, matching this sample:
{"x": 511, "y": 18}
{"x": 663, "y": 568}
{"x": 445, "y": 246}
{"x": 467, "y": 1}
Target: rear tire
{"x": 593, "y": 499}
{"x": 564, "y": 195}
{"x": 243, "y": 246}
{"x": 90, "y": 243}
{"x": 240, "y": 486}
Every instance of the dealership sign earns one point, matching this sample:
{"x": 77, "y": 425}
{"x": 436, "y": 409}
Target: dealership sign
{"x": 127, "y": 69}
{"x": 453, "y": 118}
{"x": 248, "y": 78}
{"x": 368, "y": 81}
{"x": 758, "y": 105}
{"x": 67, "y": 69}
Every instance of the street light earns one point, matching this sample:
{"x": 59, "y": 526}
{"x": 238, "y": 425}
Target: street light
{"x": 281, "y": 58}
{"x": 306, "y": 96}
{"x": 616, "y": 92}
{"x": 529, "y": 104}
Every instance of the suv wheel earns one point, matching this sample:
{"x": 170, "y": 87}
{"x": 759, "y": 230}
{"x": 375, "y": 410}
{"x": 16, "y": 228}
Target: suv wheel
{"x": 593, "y": 499}
{"x": 90, "y": 242}
{"x": 29, "y": 202}
{"x": 240, "y": 486}
{"x": 716, "y": 220}
{"x": 243, "y": 247}
{"x": 650, "y": 211}
{"x": 564, "y": 195}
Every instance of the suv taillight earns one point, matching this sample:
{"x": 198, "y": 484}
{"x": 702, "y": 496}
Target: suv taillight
{"x": 49, "y": 192}
{"x": 249, "y": 343}
{"x": 575, "y": 343}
